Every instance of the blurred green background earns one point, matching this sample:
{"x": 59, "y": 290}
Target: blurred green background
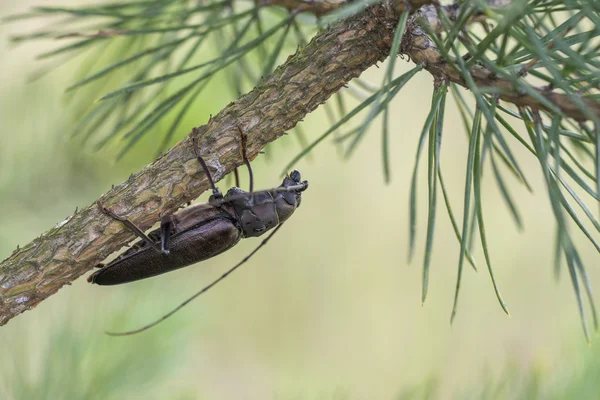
{"x": 330, "y": 309}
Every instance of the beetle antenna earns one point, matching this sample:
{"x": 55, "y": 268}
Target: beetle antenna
{"x": 203, "y": 163}
{"x": 205, "y": 289}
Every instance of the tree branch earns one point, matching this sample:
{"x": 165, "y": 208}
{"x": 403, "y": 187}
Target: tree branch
{"x": 422, "y": 50}
{"x": 301, "y": 84}
{"x": 306, "y": 80}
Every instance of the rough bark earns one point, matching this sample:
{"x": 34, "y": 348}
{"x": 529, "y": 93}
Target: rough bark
{"x": 306, "y": 80}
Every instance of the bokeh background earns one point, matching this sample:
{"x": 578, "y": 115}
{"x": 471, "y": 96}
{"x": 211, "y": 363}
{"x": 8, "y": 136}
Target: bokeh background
{"x": 330, "y": 309}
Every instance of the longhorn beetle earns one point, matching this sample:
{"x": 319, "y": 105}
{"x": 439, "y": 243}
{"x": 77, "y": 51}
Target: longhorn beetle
{"x": 202, "y": 231}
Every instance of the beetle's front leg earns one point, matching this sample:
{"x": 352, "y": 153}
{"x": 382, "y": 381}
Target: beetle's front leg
{"x": 236, "y": 175}
{"x": 128, "y": 224}
{"x": 244, "y": 148}
{"x": 194, "y": 136}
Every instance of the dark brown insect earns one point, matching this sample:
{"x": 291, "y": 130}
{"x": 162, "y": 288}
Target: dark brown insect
{"x": 203, "y": 231}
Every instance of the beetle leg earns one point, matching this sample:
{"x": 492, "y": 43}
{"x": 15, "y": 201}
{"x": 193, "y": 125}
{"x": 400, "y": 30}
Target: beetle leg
{"x": 245, "y": 157}
{"x": 128, "y": 224}
{"x": 165, "y": 234}
{"x": 237, "y": 177}
{"x": 215, "y": 191}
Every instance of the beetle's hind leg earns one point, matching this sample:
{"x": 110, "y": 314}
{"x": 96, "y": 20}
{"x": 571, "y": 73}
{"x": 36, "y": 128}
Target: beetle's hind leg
{"x": 166, "y": 225}
{"x": 138, "y": 232}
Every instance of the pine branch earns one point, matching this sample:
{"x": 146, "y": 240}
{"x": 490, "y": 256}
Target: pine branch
{"x": 522, "y": 41}
{"x": 306, "y": 80}
{"x": 423, "y": 50}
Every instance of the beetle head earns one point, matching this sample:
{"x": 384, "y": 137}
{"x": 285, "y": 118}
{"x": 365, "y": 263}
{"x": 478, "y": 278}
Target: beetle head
{"x": 294, "y": 179}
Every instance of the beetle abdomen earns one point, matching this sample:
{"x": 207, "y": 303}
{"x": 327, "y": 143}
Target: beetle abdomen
{"x": 186, "y": 248}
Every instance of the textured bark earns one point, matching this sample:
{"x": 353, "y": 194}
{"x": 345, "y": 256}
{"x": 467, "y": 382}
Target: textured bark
{"x": 301, "y": 84}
